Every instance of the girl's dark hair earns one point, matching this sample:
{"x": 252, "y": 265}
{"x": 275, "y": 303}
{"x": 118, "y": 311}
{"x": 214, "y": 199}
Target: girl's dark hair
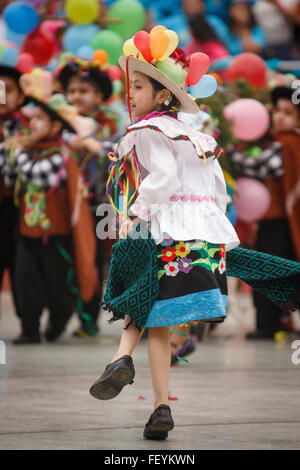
{"x": 201, "y": 29}
{"x": 158, "y": 87}
{"x": 100, "y": 81}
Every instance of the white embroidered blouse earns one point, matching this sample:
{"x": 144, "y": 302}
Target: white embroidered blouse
{"x": 182, "y": 191}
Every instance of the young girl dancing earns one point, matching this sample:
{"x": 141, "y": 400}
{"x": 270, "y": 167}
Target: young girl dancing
{"x": 182, "y": 195}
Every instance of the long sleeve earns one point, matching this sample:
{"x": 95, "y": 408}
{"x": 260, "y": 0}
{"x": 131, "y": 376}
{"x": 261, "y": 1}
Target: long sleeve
{"x": 267, "y": 165}
{"x": 42, "y": 173}
{"x": 7, "y": 171}
{"x": 154, "y": 153}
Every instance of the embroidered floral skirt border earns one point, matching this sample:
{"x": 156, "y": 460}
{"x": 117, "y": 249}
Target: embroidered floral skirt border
{"x": 193, "y": 283}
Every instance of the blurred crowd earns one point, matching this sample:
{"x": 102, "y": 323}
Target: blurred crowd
{"x": 63, "y": 115}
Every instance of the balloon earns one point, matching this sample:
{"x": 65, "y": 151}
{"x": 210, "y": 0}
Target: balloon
{"x": 109, "y": 42}
{"x": 252, "y": 200}
{"x": 2, "y": 49}
{"x": 9, "y": 57}
{"x": 250, "y": 119}
{"x": 132, "y": 15}
{"x": 199, "y": 64}
{"x": 40, "y": 45}
{"x": 82, "y": 11}
{"x": 101, "y": 57}
{"x": 159, "y": 42}
{"x": 250, "y": 67}
{"x": 17, "y": 39}
{"x": 173, "y": 43}
{"x": 20, "y": 17}
{"x": 142, "y": 43}
{"x": 51, "y": 26}
{"x": 79, "y": 35}
{"x": 114, "y": 73}
{"x": 85, "y": 52}
{"x": 173, "y": 71}
{"x": 205, "y": 87}
{"x": 130, "y": 49}
{"x": 25, "y": 63}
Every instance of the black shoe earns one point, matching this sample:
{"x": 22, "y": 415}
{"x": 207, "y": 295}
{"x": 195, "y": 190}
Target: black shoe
{"x": 115, "y": 376}
{"x": 24, "y": 339}
{"x": 188, "y": 350}
{"x": 261, "y": 334}
{"x": 160, "y": 422}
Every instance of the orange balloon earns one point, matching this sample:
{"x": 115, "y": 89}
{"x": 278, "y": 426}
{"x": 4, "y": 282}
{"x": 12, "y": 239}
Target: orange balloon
{"x": 217, "y": 77}
{"x": 159, "y": 42}
{"x": 157, "y": 28}
{"x": 101, "y": 56}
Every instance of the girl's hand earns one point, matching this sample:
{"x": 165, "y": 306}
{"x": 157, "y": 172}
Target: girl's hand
{"x": 126, "y": 228}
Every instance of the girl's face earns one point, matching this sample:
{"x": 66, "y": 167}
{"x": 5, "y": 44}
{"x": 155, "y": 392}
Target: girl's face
{"x": 41, "y": 125}
{"x": 285, "y": 116}
{"x": 143, "y": 98}
{"x": 192, "y": 7}
{"x": 240, "y": 13}
{"x": 13, "y": 96}
{"x": 83, "y": 95}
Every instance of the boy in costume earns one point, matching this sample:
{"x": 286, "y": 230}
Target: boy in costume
{"x": 56, "y": 227}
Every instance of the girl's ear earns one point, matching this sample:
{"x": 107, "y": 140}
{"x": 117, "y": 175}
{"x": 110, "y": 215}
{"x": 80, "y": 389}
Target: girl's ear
{"x": 163, "y": 95}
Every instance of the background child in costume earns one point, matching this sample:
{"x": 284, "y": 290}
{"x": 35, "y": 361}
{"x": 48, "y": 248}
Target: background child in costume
{"x": 173, "y": 165}
{"x": 279, "y": 167}
{"x": 12, "y": 123}
{"x": 55, "y": 220}
{"x": 87, "y": 86}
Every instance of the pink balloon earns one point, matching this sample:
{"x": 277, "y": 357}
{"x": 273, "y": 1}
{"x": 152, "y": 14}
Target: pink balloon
{"x": 25, "y": 63}
{"x": 114, "y": 72}
{"x": 250, "y": 119}
{"x": 199, "y": 65}
{"x": 252, "y": 200}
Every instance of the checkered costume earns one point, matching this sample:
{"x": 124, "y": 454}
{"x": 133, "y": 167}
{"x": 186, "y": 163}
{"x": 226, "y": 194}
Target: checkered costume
{"x": 42, "y": 173}
{"x": 267, "y": 164}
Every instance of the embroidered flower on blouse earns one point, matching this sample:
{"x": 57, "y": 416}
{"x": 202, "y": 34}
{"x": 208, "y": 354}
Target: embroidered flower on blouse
{"x": 172, "y": 269}
{"x": 167, "y": 241}
{"x": 185, "y": 265}
{"x": 222, "y": 266}
{"x": 168, "y": 254}
{"x": 181, "y": 250}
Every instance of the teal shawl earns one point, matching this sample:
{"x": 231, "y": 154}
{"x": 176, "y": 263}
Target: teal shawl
{"x": 133, "y": 285}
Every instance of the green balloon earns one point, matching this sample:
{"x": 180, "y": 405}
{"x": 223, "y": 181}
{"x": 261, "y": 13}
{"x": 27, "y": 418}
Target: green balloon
{"x": 132, "y": 15}
{"x": 109, "y": 42}
{"x": 173, "y": 71}
{"x": 2, "y": 49}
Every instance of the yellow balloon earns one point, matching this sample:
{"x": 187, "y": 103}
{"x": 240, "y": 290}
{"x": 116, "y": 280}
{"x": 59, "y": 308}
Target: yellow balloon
{"x": 157, "y": 28}
{"x": 159, "y": 42}
{"x": 129, "y": 48}
{"x": 173, "y": 43}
